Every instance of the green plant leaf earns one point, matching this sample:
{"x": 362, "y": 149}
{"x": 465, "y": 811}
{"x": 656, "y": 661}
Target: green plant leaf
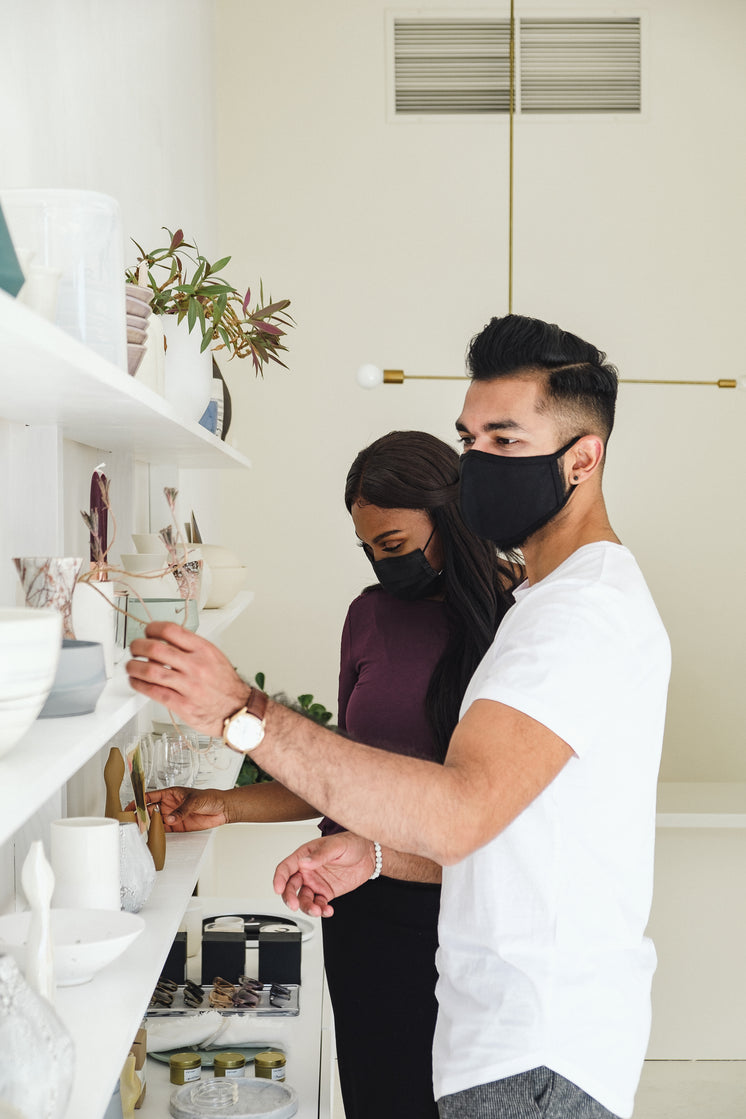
{"x": 192, "y": 313}
{"x": 305, "y": 701}
{"x": 260, "y": 680}
{"x": 219, "y": 265}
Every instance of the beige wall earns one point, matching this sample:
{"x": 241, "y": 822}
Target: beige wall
{"x": 113, "y": 97}
{"x": 390, "y": 238}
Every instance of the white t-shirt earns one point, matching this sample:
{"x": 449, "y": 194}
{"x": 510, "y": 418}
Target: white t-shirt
{"x": 543, "y": 958}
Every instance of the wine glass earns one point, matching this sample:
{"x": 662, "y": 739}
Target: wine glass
{"x": 175, "y": 761}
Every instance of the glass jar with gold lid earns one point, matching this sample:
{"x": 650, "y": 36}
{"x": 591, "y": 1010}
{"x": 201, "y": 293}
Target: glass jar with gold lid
{"x": 184, "y": 1067}
{"x": 229, "y": 1063}
{"x": 270, "y": 1065}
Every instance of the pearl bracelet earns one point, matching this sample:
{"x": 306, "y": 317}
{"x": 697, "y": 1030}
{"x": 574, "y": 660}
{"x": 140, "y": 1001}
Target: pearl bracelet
{"x": 379, "y": 860}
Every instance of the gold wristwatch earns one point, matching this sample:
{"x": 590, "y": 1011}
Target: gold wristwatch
{"x": 245, "y": 730}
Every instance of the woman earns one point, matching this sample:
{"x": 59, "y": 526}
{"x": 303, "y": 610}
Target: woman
{"x": 409, "y": 647}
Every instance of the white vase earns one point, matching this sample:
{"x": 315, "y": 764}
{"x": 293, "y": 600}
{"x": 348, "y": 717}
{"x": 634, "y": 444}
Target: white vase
{"x": 94, "y": 617}
{"x": 37, "y": 1063}
{"x": 188, "y": 373}
{"x": 136, "y": 868}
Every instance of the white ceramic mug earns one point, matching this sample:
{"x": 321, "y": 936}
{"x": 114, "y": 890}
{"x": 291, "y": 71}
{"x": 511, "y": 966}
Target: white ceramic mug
{"x": 85, "y": 861}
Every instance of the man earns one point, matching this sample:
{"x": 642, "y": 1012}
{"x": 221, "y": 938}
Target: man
{"x": 543, "y": 813}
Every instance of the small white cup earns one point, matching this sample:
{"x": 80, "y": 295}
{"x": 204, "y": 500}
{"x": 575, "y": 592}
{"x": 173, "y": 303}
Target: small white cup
{"x": 85, "y": 861}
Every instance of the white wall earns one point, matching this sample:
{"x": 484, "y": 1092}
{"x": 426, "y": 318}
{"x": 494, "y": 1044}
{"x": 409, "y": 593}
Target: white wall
{"x": 114, "y": 97}
{"x": 391, "y": 240}
{"x": 117, "y": 98}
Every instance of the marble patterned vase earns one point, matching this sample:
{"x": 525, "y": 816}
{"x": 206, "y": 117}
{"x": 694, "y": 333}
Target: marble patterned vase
{"x": 37, "y": 1065}
{"x": 50, "y": 581}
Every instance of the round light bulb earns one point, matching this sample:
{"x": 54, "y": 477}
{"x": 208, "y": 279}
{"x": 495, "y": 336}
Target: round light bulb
{"x": 369, "y": 376}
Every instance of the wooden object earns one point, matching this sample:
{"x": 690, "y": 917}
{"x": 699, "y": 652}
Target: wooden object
{"x": 157, "y": 838}
{"x": 113, "y": 775}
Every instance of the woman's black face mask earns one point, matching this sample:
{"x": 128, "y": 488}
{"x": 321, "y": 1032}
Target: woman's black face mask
{"x": 506, "y": 500}
{"x": 410, "y": 576}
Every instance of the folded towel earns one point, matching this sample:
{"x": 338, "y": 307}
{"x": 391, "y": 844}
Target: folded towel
{"x": 184, "y": 1030}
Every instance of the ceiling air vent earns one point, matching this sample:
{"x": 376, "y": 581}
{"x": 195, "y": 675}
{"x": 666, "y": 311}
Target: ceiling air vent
{"x": 580, "y": 65}
{"x": 451, "y": 65}
{"x": 460, "y": 64}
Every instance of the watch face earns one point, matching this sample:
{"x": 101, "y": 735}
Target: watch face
{"x": 245, "y": 732}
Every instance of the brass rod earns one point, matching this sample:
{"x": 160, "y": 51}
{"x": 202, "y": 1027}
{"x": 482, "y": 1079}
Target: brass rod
{"x": 511, "y": 96}
{"x": 724, "y": 383}
{"x": 398, "y": 377}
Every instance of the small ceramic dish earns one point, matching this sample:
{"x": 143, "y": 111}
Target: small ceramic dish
{"x": 135, "y": 354}
{"x": 137, "y": 308}
{"x": 85, "y": 940}
{"x": 136, "y": 291}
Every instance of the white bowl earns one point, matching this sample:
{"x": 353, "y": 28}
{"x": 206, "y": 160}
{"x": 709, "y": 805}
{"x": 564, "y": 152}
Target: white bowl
{"x": 218, "y": 556}
{"x": 30, "y": 646}
{"x": 149, "y": 542}
{"x": 85, "y": 940}
{"x": 144, "y": 563}
{"x": 78, "y": 682}
{"x": 225, "y": 584}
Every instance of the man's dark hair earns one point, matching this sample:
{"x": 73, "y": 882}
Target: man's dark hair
{"x": 580, "y": 384}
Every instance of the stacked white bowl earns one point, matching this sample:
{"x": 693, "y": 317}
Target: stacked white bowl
{"x": 30, "y": 645}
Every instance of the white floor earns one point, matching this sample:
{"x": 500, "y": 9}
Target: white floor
{"x": 677, "y": 1090}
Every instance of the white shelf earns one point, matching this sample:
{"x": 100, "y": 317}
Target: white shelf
{"x": 104, "y": 1015}
{"x": 51, "y": 378}
{"x": 705, "y": 804}
{"x": 55, "y": 749}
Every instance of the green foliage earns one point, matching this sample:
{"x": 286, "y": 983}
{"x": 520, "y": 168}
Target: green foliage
{"x": 250, "y": 773}
{"x": 185, "y": 284}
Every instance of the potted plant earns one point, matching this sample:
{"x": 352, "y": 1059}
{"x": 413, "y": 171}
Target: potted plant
{"x": 188, "y": 288}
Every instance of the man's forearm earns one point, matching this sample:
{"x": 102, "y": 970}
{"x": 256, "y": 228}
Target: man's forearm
{"x": 391, "y": 798}
{"x": 409, "y": 868}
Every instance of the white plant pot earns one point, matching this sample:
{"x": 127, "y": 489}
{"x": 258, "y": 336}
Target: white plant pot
{"x": 152, "y": 368}
{"x": 188, "y": 373}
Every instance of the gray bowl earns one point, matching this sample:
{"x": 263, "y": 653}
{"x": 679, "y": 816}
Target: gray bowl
{"x": 80, "y": 679}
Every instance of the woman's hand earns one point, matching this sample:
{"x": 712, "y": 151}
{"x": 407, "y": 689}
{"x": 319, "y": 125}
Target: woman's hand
{"x": 189, "y": 809}
{"x": 324, "y": 869}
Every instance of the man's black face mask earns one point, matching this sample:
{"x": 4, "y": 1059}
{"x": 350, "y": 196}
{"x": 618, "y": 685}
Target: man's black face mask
{"x": 507, "y": 499}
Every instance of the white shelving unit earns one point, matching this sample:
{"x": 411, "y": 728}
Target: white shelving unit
{"x": 53, "y": 383}
{"x": 55, "y": 749}
{"x": 49, "y": 378}
{"x": 104, "y": 1015}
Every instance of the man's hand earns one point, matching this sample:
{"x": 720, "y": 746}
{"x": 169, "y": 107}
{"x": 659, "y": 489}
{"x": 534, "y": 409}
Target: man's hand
{"x": 324, "y": 869}
{"x": 188, "y": 675}
{"x": 189, "y": 809}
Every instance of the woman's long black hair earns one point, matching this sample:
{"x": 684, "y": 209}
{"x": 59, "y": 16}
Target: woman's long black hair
{"x": 414, "y": 470}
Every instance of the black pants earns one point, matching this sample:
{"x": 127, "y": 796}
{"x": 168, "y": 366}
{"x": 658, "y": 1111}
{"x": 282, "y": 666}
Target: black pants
{"x": 379, "y": 955}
